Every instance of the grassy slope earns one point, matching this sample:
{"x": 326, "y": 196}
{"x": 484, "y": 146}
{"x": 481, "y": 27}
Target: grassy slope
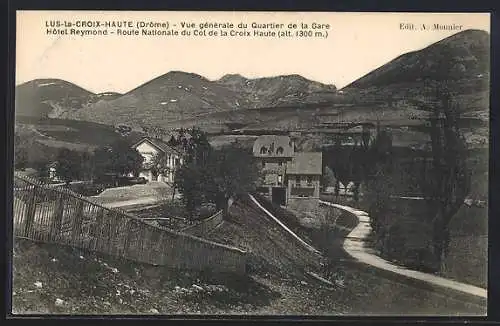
{"x": 47, "y": 136}
{"x": 172, "y": 96}
{"x": 367, "y": 290}
{"x": 97, "y": 284}
{"x": 279, "y": 90}
{"x": 36, "y": 98}
{"x": 469, "y": 48}
{"x": 90, "y": 285}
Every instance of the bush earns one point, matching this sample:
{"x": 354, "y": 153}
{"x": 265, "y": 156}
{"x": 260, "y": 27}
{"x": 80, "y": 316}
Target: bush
{"x": 88, "y": 189}
{"x": 407, "y": 243}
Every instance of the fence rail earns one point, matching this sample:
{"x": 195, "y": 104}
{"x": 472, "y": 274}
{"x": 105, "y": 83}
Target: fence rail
{"x": 59, "y": 215}
{"x": 206, "y": 226}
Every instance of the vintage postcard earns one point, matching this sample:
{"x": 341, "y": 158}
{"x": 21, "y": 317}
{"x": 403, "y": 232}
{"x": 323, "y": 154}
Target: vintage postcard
{"x": 251, "y": 163}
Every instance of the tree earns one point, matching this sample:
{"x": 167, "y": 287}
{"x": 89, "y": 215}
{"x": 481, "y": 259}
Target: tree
{"x": 173, "y": 141}
{"x": 358, "y": 162}
{"x": 328, "y": 178}
{"x": 193, "y": 178}
{"x": 379, "y": 181}
{"x": 189, "y": 181}
{"x": 340, "y": 164}
{"x": 118, "y": 158}
{"x": 213, "y": 175}
{"x": 159, "y": 163}
{"x": 69, "y": 166}
{"x": 233, "y": 171}
{"x": 123, "y": 130}
{"x": 446, "y": 180}
{"x": 20, "y": 152}
{"x": 87, "y": 165}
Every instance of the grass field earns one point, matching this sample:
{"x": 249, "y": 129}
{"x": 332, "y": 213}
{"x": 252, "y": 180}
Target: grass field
{"x": 72, "y": 134}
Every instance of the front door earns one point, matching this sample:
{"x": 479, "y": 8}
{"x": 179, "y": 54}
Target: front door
{"x": 279, "y": 196}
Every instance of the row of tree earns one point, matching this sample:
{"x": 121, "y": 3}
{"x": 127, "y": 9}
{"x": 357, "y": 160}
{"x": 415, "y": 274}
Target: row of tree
{"x": 440, "y": 173}
{"x": 118, "y": 158}
{"x": 358, "y": 162}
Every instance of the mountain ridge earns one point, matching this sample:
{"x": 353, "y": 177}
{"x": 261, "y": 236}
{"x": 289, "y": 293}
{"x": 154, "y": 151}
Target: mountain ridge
{"x": 177, "y": 98}
{"x": 464, "y": 52}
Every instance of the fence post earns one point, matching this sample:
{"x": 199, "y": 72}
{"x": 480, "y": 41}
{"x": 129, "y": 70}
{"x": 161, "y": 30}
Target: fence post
{"x": 55, "y": 225}
{"x": 126, "y": 245}
{"x": 30, "y": 213}
{"x": 76, "y": 228}
{"x": 111, "y": 224}
{"x": 97, "y": 229}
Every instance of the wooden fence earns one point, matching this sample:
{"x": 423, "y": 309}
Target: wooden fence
{"x": 58, "y": 215}
{"x": 206, "y": 226}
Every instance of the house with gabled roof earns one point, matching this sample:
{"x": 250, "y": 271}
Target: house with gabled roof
{"x": 150, "y": 147}
{"x": 288, "y": 177}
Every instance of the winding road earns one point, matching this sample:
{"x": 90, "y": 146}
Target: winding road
{"x": 354, "y": 245}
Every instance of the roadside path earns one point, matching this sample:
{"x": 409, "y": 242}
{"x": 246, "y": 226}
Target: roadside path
{"x": 354, "y": 246}
{"x": 131, "y": 202}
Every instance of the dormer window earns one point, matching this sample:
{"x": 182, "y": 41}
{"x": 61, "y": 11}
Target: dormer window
{"x": 263, "y": 150}
{"x": 279, "y": 151}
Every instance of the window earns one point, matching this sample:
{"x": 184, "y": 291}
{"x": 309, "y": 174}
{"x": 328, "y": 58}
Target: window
{"x": 297, "y": 181}
{"x": 309, "y": 180}
{"x": 263, "y": 164}
{"x": 280, "y": 163}
{"x": 263, "y": 150}
{"x": 279, "y": 151}
{"x": 280, "y": 180}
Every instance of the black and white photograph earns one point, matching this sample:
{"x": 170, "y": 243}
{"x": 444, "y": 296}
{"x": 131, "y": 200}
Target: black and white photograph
{"x": 182, "y": 163}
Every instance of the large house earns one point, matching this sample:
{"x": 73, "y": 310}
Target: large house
{"x": 289, "y": 178}
{"x": 151, "y": 147}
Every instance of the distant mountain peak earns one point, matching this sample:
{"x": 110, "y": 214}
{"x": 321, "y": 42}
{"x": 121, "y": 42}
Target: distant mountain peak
{"x": 460, "y": 56}
{"x": 469, "y": 32}
{"x": 232, "y": 77}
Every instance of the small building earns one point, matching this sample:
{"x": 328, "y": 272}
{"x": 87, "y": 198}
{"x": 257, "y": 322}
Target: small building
{"x": 149, "y": 148}
{"x": 288, "y": 178}
{"x": 52, "y": 171}
{"x": 304, "y": 178}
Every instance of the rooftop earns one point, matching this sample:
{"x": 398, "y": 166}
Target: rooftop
{"x": 158, "y": 143}
{"x": 273, "y": 146}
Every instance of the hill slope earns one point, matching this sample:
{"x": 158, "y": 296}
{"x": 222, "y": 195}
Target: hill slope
{"x": 464, "y": 55}
{"x": 279, "y": 90}
{"x": 55, "y": 98}
{"x": 39, "y": 97}
{"x": 169, "y": 97}
{"x": 461, "y": 60}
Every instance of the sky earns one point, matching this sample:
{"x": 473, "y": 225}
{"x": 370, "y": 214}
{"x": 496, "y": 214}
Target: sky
{"x": 356, "y": 44}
